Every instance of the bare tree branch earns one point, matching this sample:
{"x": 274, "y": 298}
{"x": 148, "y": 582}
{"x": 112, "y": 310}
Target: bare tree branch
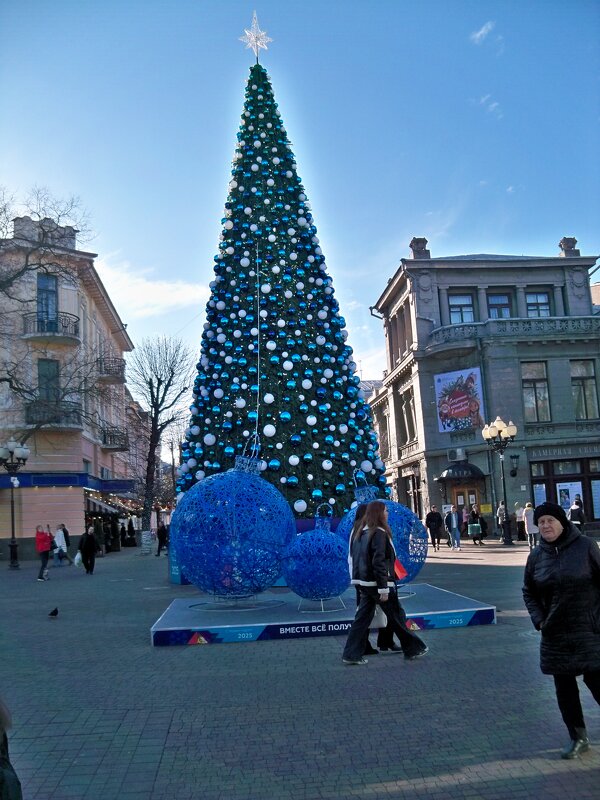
{"x": 159, "y": 374}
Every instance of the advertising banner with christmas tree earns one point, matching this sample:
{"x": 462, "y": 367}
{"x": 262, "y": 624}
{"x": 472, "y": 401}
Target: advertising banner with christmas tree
{"x": 459, "y": 400}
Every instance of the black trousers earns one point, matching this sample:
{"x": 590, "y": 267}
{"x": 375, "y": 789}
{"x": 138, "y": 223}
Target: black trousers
{"x": 89, "y": 561}
{"x": 567, "y": 694}
{"x": 369, "y": 599}
{"x": 435, "y": 534}
{"x": 43, "y": 563}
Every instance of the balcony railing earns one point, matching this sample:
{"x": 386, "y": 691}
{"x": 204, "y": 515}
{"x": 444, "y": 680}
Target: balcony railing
{"x": 44, "y": 326}
{"x": 584, "y": 429}
{"x": 111, "y": 370}
{"x": 114, "y": 439}
{"x": 518, "y": 328}
{"x": 53, "y": 413}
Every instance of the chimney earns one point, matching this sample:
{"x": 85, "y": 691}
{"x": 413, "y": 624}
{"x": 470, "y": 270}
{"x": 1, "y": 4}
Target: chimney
{"x": 419, "y": 248}
{"x": 567, "y": 247}
{"x": 45, "y": 232}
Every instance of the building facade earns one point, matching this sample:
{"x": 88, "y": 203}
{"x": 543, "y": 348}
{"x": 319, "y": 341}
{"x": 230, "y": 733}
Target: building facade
{"x": 473, "y": 337}
{"x": 62, "y": 387}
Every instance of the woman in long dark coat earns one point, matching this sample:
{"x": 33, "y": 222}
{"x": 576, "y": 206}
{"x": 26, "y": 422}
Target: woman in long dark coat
{"x": 373, "y": 556}
{"x": 562, "y": 594}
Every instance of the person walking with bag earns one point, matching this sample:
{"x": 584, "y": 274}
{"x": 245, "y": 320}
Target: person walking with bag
{"x": 561, "y": 590}
{"x": 373, "y": 557}
{"x": 43, "y": 545}
{"x": 88, "y": 546}
{"x": 475, "y": 526}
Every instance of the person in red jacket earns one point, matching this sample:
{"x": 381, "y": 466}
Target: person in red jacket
{"x": 43, "y": 544}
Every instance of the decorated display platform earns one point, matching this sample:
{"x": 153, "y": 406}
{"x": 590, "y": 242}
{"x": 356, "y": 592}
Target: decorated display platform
{"x": 280, "y": 614}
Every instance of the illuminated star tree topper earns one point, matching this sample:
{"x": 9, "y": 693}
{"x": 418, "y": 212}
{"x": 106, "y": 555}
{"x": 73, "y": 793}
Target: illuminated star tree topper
{"x": 255, "y": 38}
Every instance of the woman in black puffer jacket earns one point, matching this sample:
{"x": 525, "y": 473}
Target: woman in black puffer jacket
{"x": 562, "y": 594}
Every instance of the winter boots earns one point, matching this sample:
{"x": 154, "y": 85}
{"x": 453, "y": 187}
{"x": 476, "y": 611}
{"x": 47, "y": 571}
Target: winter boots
{"x": 580, "y": 744}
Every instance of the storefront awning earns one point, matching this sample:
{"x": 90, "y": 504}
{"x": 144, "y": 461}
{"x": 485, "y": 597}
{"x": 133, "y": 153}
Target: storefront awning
{"x": 461, "y": 472}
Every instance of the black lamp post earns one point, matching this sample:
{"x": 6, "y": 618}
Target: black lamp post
{"x": 12, "y": 457}
{"x": 498, "y": 435}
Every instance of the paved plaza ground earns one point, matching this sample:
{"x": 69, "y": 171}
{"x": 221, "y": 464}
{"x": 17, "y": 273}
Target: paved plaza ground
{"x": 99, "y": 713}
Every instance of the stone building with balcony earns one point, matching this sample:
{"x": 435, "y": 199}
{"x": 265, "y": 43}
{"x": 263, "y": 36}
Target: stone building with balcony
{"x": 472, "y": 337}
{"x": 62, "y": 387}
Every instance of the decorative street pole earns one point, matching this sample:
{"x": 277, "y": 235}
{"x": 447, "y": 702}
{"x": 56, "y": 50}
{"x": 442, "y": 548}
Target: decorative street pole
{"x": 12, "y": 457}
{"x": 498, "y": 435}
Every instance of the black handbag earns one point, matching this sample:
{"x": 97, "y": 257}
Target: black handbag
{"x": 53, "y": 545}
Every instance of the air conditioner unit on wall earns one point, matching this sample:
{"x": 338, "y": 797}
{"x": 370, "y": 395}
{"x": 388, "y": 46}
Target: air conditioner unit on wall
{"x": 457, "y": 454}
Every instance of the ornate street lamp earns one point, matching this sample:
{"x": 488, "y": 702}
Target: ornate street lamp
{"x": 498, "y": 435}
{"x": 12, "y": 457}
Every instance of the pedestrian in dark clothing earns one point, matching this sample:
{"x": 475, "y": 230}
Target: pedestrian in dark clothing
{"x": 562, "y": 594}
{"x": 373, "y": 557}
{"x": 123, "y": 535}
{"x": 10, "y": 786}
{"x": 575, "y": 514}
{"x": 161, "y": 535}
{"x": 88, "y": 547}
{"x": 476, "y": 526}
{"x": 434, "y": 524}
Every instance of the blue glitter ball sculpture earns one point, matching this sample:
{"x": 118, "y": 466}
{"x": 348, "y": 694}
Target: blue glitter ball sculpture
{"x": 315, "y": 565}
{"x": 229, "y": 533}
{"x": 408, "y": 533}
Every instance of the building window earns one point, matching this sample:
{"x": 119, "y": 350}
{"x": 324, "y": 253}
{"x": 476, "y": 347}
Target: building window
{"x": 583, "y": 387}
{"x": 566, "y": 467}
{"x": 538, "y": 469}
{"x": 461, "y": 308}
{"x": 104, "y": 473}
{"x": 47, "y": 301}
{"x": 498, "y": 306}
{"x": 535, "y": 391}
{"x": 87, "y": 466}
{"x": 48, "y": 379}
{"x": 538, "y": 304}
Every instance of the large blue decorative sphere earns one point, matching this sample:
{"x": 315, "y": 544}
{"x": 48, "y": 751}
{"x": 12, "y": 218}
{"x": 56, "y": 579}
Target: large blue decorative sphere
{"x": 229, "y": 532}
{"x": 315, "y": 565}
{"x": 408, "y": 533}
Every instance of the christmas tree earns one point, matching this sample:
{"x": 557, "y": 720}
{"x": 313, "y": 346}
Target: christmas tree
{"x": 275, "y": 369}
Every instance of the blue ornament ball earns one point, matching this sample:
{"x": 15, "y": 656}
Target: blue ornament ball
{"x": 315, "y": 565}
{"x": 229, "y": 532}
{"x": 408, "y": 533}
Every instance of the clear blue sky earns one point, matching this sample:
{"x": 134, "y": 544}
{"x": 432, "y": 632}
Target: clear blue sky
{"x": 474, "y": 124}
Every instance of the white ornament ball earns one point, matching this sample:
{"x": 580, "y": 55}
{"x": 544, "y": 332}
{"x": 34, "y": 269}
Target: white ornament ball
{"x": 269, "y": 430}
{"x": 294, "y": 460}
{"x": 288, "y": 365}
{"x": 240, "y": 402}
{"x": 327, "y": 464}
{"x": 311, "y": 420}
{"x": 209, "y": 439}
{"x": 300, "y": 506}
{"x": 366, "y": 466}
{"x": 269, "y": 398}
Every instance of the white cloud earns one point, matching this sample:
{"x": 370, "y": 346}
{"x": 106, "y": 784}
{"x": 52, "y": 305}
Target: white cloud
{"x": 478, "y": 37}
{"x": 491, "y": 106}
{"x": 138, "y": 295}
{"x": 510, "y": 189}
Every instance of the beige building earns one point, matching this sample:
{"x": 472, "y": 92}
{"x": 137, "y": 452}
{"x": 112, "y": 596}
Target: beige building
{"x": 63, "y": 383}
{"x": 476, "y": 336}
